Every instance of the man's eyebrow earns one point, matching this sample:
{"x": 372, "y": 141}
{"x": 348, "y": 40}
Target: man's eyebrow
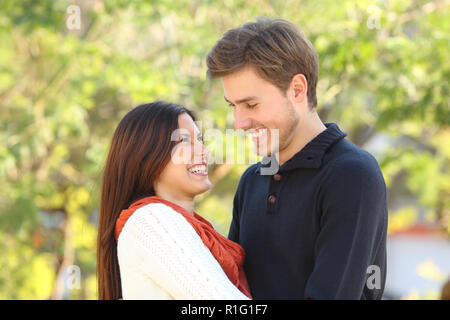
{"x": 241, "y": 100}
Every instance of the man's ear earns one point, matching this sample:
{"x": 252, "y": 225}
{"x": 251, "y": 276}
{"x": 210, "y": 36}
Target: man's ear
{"x": 298, "y": 88}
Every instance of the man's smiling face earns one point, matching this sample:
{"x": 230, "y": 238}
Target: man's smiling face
{"x": 258, "y": 107}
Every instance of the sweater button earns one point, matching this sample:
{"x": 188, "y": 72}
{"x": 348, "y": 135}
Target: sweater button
{"x": 277, "y": 177}
{"x": 272, "y": 199}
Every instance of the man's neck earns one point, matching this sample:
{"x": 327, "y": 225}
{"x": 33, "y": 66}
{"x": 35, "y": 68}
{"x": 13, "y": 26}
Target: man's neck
{"x": 307, "y": 129}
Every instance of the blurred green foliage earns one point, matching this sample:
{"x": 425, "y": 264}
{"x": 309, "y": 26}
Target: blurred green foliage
{"x": 384, "y": 76}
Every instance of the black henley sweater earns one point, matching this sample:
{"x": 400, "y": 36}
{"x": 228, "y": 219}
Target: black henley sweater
{"x": 317, "y": 228}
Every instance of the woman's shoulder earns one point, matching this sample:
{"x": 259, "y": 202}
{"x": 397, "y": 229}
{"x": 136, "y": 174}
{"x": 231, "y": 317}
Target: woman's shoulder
{"x": 152, "y": 213}
{"x": 155, "y": 209}
{"x": 157, "y": 219}
{"x": 158, "y": 229}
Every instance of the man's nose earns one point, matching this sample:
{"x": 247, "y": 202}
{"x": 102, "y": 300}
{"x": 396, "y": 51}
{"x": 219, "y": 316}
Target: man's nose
{"x": 241, "y": 121}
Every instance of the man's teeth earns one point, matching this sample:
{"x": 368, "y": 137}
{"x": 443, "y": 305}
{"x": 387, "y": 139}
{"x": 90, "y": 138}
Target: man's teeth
{"x": 258, "y": 133}
{"x": 198, "y": 169}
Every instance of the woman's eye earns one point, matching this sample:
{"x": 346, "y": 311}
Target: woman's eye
{"x": 251, "y": 106}
{"x": 231, "y": 105}
{"x": 184, "y": 140}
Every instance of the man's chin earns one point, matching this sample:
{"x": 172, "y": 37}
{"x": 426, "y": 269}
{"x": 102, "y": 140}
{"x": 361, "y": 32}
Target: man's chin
{"x": 265, "y": 153}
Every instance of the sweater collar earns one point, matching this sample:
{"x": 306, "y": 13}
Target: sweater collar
{"x": 311, "y": 155}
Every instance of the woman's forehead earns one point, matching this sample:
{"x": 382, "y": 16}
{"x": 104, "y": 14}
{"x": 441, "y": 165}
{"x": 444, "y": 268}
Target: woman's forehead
{"x": 187, "y": 125}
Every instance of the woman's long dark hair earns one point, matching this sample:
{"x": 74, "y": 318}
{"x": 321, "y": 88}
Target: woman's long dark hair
{"x": 140, "y": 149}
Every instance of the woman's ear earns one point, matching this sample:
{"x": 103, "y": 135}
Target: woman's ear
{"x": 299, "y": 88}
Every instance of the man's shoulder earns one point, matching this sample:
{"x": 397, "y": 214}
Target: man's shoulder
{"x": 351, "y": 160}
{"x": 251, "y": 170}
{"x": 249, "y": 173}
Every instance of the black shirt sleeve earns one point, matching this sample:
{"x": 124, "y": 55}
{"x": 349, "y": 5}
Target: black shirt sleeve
{"x": 351, "y": 244}
{"x": 233, "y": 233}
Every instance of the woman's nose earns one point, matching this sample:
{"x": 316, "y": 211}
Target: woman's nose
{"x": 201, "y": 153}
{"x": 205, "y": 153}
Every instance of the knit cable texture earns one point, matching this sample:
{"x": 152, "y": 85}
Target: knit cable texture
{"x": 162, "y": 257}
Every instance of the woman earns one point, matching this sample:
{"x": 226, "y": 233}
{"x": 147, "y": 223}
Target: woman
{"x": 151, "y": 243}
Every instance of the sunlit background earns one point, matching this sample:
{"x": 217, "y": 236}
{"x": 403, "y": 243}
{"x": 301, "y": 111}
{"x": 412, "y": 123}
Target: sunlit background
{"x": 70, "y": 70}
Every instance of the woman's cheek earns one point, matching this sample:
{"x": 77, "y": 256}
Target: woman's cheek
{"x": 181, "y": 155}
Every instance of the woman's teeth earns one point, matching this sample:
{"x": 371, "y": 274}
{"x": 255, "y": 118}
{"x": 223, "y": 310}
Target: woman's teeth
{"x": 200, "y": 169}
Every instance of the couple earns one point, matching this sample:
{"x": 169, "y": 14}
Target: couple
{"x": 315, "y": 228}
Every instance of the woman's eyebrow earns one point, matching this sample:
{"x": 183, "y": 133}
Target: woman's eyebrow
{"x": 188, "y": 135}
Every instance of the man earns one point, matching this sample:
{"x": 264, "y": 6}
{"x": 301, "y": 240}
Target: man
{"x": 316, "y": 227}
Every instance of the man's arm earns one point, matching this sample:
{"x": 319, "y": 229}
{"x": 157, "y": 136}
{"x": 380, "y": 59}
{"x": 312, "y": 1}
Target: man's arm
{"x": 233, "y": 233}
{"x": 353, "y": 222}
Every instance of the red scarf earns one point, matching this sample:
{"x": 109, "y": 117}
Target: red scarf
{"x": 229, "y": 254}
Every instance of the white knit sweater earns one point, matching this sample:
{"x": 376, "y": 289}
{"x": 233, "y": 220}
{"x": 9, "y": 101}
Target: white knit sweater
{"x": 161, "y": 256}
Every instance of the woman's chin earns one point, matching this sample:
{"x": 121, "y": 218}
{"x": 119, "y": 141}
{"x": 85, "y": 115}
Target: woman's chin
{"x": 199, "y": 188}
{"x": 199, "y": 183}
{"x": 206, "y": 186}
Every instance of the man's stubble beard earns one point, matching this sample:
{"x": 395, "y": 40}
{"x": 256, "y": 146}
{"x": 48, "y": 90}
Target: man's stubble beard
{"x": 287, "y": 130}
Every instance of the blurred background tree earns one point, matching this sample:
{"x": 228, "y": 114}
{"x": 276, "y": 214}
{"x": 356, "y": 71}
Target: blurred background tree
{"x": 384, "y": 78}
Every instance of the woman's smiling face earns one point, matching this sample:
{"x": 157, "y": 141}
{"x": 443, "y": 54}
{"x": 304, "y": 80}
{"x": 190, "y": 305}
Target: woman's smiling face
{"x": 186, "y": 174}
